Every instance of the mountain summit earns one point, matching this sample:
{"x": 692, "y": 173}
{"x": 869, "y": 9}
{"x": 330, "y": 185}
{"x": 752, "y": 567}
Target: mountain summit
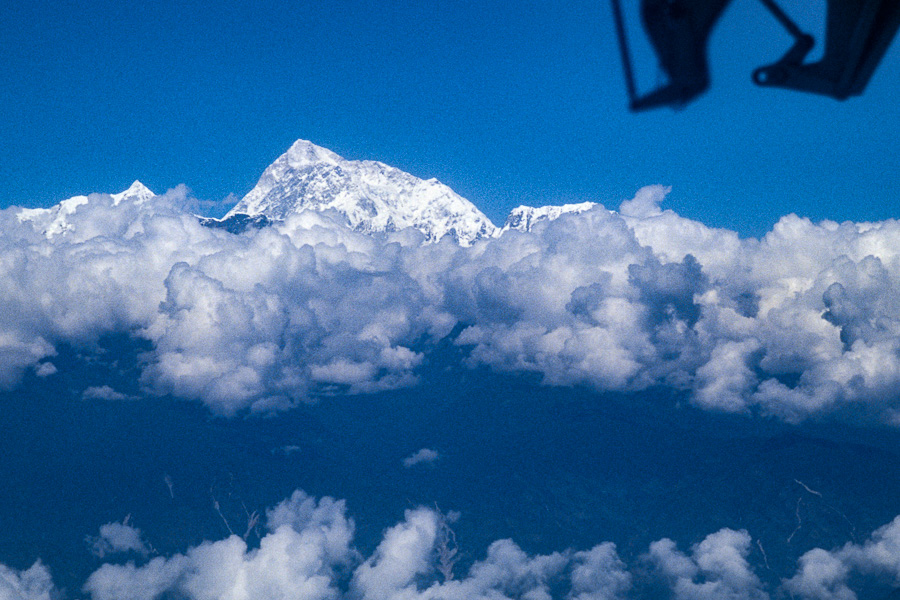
{"x": 372, "y": 196}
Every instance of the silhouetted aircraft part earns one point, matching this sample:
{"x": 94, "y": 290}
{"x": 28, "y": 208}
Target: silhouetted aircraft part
{"x": 803, "y": 43}
{"x": 679, "y": 31}
{"x": 858, "y": 33}
{"x": 623, "y": 52}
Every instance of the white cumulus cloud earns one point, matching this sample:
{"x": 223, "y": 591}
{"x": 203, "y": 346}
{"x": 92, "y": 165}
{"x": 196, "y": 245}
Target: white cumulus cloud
{"x": 308, "y": 552}
{"x": 299, "y": 557}
{"x": 118, "y": 538}
{"x": 716, "y": 569}
{"x": 34, "y": 583}
{"x": 825, "y": 575}
{"x": 804, "y": 321}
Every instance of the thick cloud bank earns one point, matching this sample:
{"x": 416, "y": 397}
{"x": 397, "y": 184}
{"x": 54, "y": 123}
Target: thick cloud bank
{"x": 805, "y": 321}
{"x": 307, "y": 553}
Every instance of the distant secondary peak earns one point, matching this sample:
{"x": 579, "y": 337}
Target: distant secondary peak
{"x": 137, "y": 192}
{"x": 57, "y": 219}
{"x": 138, "y": 188}
{"x": 524, "y": 218}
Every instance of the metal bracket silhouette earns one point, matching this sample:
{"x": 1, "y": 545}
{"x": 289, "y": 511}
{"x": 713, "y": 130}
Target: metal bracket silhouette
{"x": 858, "y": 33}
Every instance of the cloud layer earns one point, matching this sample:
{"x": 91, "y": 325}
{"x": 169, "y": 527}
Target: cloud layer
{"x": 805, "y": 321}
{"x": 308, "y": 553}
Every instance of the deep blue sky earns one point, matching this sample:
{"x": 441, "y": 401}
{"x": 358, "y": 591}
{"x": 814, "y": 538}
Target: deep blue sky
{"x": 507, "y": 102}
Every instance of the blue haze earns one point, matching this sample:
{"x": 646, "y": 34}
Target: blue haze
{"x": 549, "y": 467}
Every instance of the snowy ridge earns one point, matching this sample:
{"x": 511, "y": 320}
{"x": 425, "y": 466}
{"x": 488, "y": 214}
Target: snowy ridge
{"x": 523, "y": 218}
{"x": 372, "y": 196}
{"x": 55, "y": 220}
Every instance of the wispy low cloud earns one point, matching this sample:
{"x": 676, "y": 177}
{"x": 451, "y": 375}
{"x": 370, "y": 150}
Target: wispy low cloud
{"x": 102, "y": 392}
{"x": 115, "y": 538}
{"x": 803, "y": 322}
{"x": 308, "y": 552}
{"x": 425, "y": 455}
{"x": 45, "y": 369}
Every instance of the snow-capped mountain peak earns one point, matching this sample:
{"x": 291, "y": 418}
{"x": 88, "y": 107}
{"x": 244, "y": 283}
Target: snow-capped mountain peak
{"x": 304, "y": 152}
{"x": 372, "y": 196}
{"x": 137, "y": 192}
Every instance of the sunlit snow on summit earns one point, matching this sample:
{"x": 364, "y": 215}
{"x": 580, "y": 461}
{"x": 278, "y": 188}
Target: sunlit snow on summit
{"x": 371, "y": 196}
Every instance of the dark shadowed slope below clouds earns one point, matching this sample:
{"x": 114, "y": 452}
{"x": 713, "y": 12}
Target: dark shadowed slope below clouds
{"x": 550, "y": 468}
